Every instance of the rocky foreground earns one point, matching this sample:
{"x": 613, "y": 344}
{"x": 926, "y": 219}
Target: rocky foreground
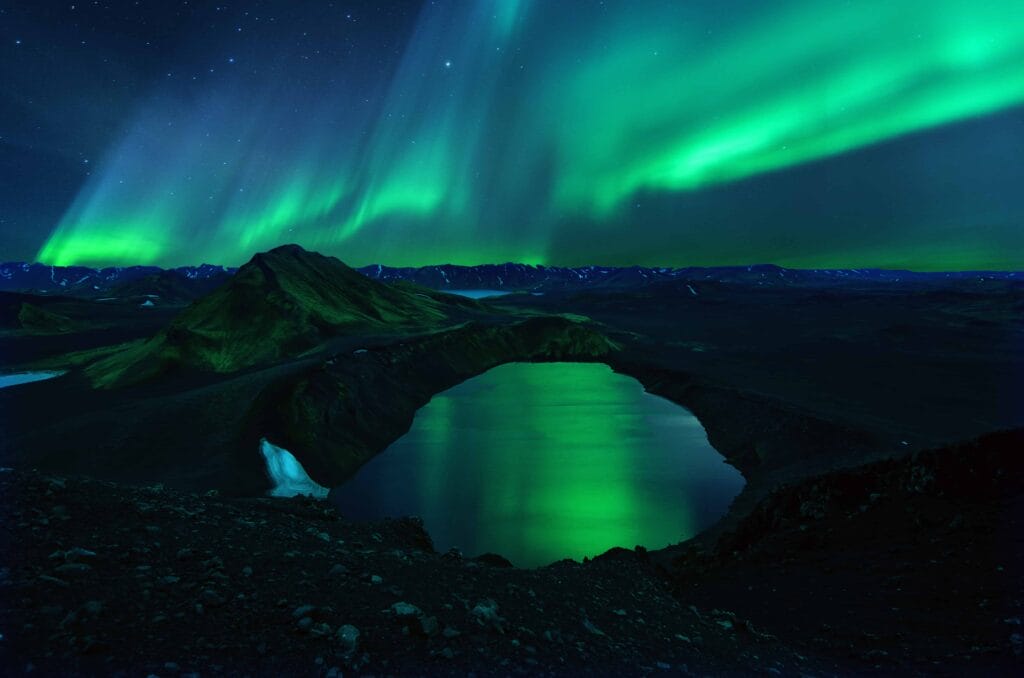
{"x": 106, "y": 579}
{"x": 909, "y": 566}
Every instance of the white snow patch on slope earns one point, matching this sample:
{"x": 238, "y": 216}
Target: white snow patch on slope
{"x": 287, "y": 474}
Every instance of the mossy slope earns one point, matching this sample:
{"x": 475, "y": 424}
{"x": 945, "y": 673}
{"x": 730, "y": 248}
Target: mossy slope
{"x": 279, "y": 304}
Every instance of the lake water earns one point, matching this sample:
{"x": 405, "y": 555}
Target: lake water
{"x": 25, "y": 377}
{"x": 539, "y": 462}
{"x": 478, "y": 294}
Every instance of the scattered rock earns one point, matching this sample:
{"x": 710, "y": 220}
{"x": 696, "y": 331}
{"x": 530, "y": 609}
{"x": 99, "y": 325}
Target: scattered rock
{"x": 303, "y": 611}
{"x": 348, "y": 638}
{"x": 77, "y": 554}
{"x": 486, "y": 614}
{"x": 425, "y": 626}
{"x": 591, "y": 628}
{"x": 73, "y": 569}
{"x": 321, "y": 629}
{"x": 493, "y": 560}
{"x": 403, "y": 610}
{"x": 211, "y": 598}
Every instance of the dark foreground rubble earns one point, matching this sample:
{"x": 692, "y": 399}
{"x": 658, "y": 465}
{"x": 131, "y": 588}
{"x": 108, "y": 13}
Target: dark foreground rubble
{"x": 901, "y": 567}
{"x": 106, "y": 579}
{"x": 905, "y": 566}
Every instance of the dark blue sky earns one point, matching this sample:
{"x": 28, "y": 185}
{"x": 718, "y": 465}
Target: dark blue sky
{"x": 609, "y": 132}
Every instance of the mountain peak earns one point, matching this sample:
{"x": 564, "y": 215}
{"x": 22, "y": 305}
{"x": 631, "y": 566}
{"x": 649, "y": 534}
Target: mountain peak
{"x": 287, "y": 248}
{"x": 279, "y": 304}
{"x": 293, "y": 250}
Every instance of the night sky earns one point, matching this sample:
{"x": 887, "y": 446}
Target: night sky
{"x": 884, "y": 133}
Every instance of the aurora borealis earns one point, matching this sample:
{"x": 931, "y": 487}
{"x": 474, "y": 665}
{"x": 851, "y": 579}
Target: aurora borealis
{"x": 664, "y": 133}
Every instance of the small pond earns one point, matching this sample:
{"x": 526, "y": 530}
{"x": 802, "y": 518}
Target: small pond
{"x": 539, "y": 462}
{"x": 478, "y": 294}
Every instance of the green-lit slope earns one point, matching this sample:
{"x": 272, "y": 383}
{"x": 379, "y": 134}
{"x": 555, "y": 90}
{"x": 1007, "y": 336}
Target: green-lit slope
{"x": 40, "y": 321}
{"x": 279, "y": 304}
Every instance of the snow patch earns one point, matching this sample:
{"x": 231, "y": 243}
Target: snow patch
{"x": 26, "y": 377}
{"x": 287, "y": 474}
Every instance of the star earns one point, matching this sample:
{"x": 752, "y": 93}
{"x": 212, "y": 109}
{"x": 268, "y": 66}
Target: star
{"x": 447, "y": 64}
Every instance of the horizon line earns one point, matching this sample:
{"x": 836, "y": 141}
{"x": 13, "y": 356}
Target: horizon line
{"x": 762, "y": 264}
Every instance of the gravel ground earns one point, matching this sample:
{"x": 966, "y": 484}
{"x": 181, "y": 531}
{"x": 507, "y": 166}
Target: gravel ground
{"x": 106, "y": 579}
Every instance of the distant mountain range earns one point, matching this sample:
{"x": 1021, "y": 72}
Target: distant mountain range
{"x": 98, "y": 282}
{"x": 191, "y": 282}
{"x": 522, "y": 277}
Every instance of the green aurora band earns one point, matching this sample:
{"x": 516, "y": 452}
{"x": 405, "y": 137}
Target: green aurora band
{"x": 509, "y": 126}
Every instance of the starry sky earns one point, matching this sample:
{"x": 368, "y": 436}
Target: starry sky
{"x": 886, "y": 133}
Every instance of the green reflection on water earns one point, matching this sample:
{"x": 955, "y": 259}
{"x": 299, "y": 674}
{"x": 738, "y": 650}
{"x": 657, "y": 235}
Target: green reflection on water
{"x": 539, "y": 462}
